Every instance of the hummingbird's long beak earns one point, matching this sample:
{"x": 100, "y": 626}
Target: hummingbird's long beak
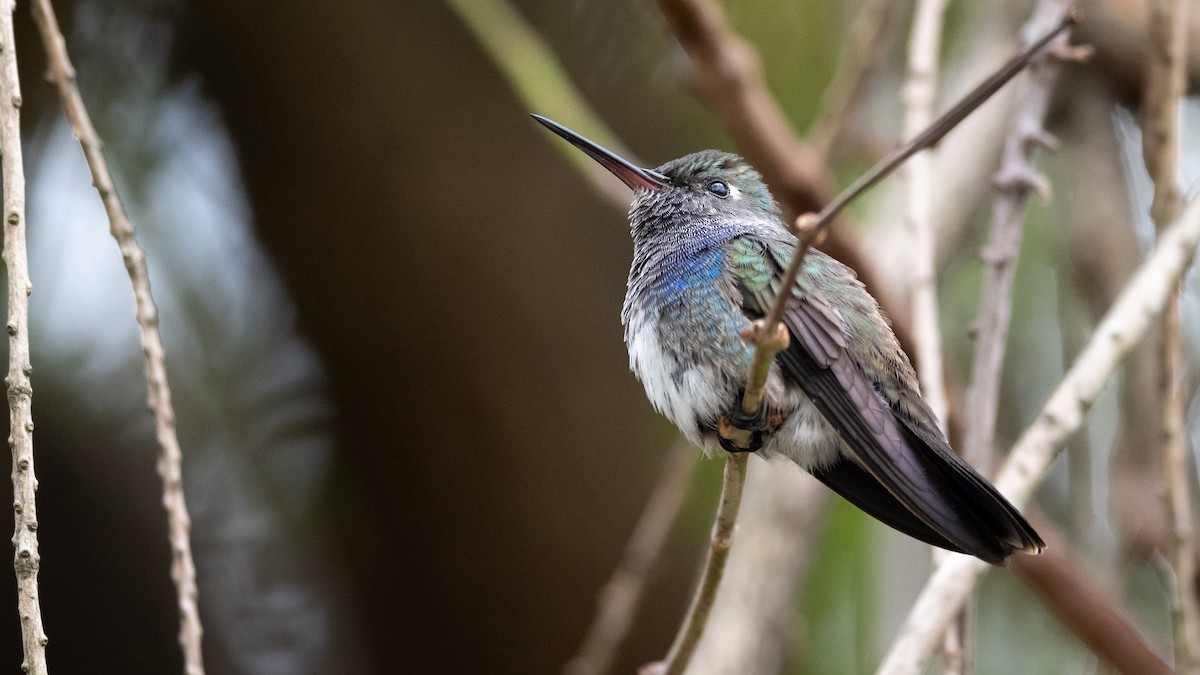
{"x": 633, "y": 176}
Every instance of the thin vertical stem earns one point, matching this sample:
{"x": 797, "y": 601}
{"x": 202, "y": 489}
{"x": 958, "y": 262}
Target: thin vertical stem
{"x": 1164, "y": 89}
{"x": 920, "y": 90}
{"x": 26, "y": 561}
{"x": 170, "y": 460}
{"x": 714, "y": 567}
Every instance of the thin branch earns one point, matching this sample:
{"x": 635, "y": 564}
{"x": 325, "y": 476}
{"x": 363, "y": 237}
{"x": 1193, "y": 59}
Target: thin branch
{"x": 919, "y": 92}
{"x": 1165, "y": 83}
{"x": 942, "y": 125}
{"x": 920, "y": 89}
{"x": 26, "y": 560}
{"x": 714, "y": 566}
{"x": 623, "y": 592}
{"x": 170, "y": 460}
{"x": 1126, "y": 322}
{"x": 778, "y": 532}
{"x": 1016, "y": 181}
{"x": 1083, "y": 606}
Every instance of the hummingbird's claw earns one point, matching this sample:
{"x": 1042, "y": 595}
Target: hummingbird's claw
{"x": 756, "y": 442}
{"x": 740, "y": 431}
{"x": 755, "y": 421}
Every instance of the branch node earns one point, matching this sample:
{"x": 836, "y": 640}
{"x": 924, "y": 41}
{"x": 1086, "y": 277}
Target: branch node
{"x": 1020, "y": 179}
{"x": 758, "y": 335}
{"x": 1037, "y": 137}
{"x": 808, "y": 228}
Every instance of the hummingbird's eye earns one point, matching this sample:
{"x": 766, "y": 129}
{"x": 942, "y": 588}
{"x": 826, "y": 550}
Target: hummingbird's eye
{"x": 719, "y": 188}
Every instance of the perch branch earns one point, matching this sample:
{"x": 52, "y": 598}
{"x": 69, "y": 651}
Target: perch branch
{"x": 170, "y": 460}
{"x": 1124, "y": 324}
{"x": 714, "y": 567}
{"x": 26, "y": 560}
{"x": 810, "y": 228}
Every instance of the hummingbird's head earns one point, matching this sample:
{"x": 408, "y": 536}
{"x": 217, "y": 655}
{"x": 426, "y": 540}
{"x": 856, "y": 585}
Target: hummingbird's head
{"x": 699, "y": 188}
{"x": 710, "y": 183}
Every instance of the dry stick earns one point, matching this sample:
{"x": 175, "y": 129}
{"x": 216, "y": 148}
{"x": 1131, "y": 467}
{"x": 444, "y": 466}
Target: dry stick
{"x": 1123, "y": 325}
{"x": 769, "y": 336}
{"x": 1016, "y": 180}
{"x": 170, "y": 460}
{"x": 1165, "y": 83}
{"x": 26, "y": 560}
{"x": 919, "y": 88}
{"x": 777, "y": 530}
{"x": 919, "y": 91}
{"x": 714, "y": 567}
{"x": 619, "y": 599}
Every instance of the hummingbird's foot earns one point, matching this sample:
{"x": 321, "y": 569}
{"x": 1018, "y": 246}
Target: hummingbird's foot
{"x": 756, "y": 442}
{"x": 740, "y": 431}
{"x": 756, "y": 421}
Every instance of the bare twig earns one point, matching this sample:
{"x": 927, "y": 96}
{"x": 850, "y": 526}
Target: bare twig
{"x": 755, "y": 609}
{"x": 714, "y": 566}
{"x": 920, "y": 89}
{"x": 26, "y": 560}
{"x": 1081, "y": 604}
{"x": 1164, "y": 90}
{"x": 620, "y": 597}
{"x": 1125, "y": 323}
{"x": 183, "y": 570}
{"x": 1016, "y": 180}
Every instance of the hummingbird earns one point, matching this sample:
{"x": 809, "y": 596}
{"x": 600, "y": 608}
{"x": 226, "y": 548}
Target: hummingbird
{"x": 842, "y": 400}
